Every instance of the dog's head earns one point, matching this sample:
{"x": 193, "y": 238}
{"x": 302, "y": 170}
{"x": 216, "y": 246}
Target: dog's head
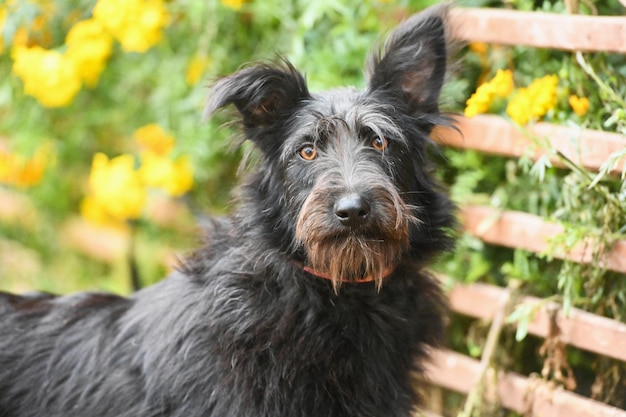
{"x": 344, "y": 185}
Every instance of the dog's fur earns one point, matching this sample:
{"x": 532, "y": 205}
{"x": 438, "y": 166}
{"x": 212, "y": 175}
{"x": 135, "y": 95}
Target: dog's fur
{"x": 271, "y": 317}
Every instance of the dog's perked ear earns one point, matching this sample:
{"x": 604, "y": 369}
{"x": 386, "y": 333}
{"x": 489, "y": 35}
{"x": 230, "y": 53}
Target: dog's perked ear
{"x": 412, "y": 64}
{"x": 264, "y": 95}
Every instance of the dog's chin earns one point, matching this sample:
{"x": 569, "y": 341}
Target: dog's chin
{"x": 353, "y": 257}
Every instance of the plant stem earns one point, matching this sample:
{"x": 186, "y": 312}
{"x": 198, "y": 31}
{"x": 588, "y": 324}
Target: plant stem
{"x": 476, "y": 394}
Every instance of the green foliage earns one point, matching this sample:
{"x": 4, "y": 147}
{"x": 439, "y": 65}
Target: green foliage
{"x": 591, "y": 206}
{"x": 136, "y": 89}
{"x": 328, "y": 40}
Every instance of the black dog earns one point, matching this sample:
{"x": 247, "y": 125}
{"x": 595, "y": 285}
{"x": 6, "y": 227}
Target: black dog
{"x": 311, "y": 300}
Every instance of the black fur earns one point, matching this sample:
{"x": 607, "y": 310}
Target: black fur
{"x": 243, "y": 330}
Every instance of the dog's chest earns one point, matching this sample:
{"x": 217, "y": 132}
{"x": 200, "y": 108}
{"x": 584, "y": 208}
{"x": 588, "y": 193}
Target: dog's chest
{"x": 345, "y": 355}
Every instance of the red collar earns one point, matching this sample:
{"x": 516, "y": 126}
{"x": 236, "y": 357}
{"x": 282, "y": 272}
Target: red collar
{"x": 318, "y": 274}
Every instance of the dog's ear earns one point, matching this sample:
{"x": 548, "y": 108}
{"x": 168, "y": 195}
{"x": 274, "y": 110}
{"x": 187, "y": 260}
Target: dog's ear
{"x": 412, "y": 64}
{"x": 264, "y": 94}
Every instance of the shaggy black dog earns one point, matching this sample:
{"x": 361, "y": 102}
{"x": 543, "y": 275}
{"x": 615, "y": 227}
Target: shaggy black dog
{"x": 311, "y": 300}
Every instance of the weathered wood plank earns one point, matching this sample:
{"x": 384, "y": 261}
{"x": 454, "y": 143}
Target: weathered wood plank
{"x": 581, "y": 329}
{"x": 530, "y": 397}
{"x": 542, "y": 30}
{"x": 516, "y": 229}
{"x": 495, "y": 135}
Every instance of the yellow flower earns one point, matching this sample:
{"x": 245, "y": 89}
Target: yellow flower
{"x": 20, "y": 37}
{"x": 3, "y": 17}
{"x": 153, "y": 138}
{"x": 89, "y": 47}
{"x": 534, "y": 101}
{"x": 501, "y": 85}
{"x": 115, "y": 187}
{"x": 173, "y": 176}
{"x": 136, "y": 24}
{"x": 18, "y": 171}
{"x": 9, "y": 164}
{"x": 477, "y": 104}
{"x": 181, "y": 180}
{"x": 479, "y": 48}
{"x": 518, "y": 108}
{"x": 580, "y": 105}
{"x": 47, "y": 75}
{"x": 233, "y": 4}
{"x": 94, "y": 212}
{"x": 196, "y": 68}
{"x": 543, "y": 92}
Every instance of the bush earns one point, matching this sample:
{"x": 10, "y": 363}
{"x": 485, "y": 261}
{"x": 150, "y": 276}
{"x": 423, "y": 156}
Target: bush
{"x": 105, "y": 97}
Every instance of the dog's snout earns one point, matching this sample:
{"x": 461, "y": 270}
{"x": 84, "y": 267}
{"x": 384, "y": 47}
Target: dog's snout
{"x": 352, "y": 210}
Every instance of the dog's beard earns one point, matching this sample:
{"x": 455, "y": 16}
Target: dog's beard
{"x": 352, "y": 258}
{"x": 343, "y": 254}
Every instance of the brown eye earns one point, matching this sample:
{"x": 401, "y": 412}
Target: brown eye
{"x": 380, "y": 143}
{"x": 308, "y": 152}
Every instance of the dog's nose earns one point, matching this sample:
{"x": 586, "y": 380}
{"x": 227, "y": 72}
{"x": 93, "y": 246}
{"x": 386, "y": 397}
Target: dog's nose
{"x": 352, "y": 210}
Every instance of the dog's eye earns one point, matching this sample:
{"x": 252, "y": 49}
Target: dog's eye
{"x": 308, "y": 152}
{"x": 380, "y": 143}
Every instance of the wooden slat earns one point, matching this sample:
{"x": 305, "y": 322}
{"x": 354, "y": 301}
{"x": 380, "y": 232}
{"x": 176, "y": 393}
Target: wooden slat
{"x": 536, "y": 398}
{"x": 542, "y": 30}
{"x": 581, "y": 329}
{"x": 516, "y": 229}
{"x": 495, "y": 135}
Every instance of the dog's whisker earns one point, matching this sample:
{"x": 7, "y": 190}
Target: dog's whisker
{"x": 411, "y": 192}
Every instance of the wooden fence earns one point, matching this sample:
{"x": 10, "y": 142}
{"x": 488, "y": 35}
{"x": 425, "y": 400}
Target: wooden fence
{"x": 532, "y": 396}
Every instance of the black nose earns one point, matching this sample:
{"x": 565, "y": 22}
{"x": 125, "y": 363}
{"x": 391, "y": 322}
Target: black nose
{"x": 352, "y": 210}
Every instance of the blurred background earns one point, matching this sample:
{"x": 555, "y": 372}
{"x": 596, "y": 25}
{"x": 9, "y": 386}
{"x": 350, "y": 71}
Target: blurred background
{"x": 106, "y": 164}
{"x": 103, "y": 150}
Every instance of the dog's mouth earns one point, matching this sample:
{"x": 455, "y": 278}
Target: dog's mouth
{"x": 352, "y": 258}
{"x": 353, "y": 237}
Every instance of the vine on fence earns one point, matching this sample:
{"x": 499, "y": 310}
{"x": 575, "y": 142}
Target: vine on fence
{"x": 583, "y": 91}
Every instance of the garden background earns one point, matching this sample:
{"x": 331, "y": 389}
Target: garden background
{"x": 106, "y": 165}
